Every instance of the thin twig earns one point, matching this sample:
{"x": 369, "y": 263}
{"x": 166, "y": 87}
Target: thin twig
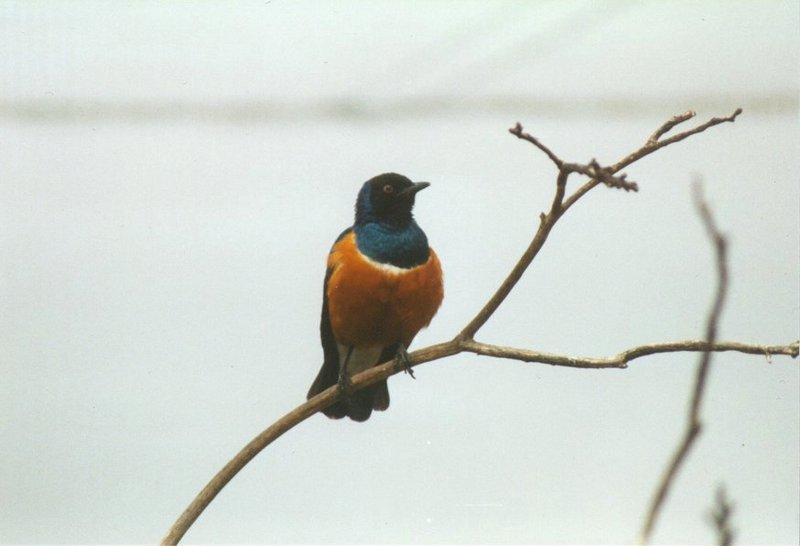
{"x": 653, "y": 144}
{"x": 602, "y": 174}
{"x": 519, "y": 133}
{"x": 622, "y": 359}
{"x": 649, "y": 148}
{"x": 668, "y": 126}
{"x": 694, "y": 425}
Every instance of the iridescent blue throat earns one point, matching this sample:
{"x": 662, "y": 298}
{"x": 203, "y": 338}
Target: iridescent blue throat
{"x": 402, "y": 247}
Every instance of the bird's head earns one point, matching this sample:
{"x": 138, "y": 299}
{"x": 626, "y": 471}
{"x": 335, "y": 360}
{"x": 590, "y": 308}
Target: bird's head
{"x": 387, "y": 199}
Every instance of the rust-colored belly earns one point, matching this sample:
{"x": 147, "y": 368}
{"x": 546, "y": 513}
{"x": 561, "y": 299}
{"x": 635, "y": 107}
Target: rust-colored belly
{"x": 373, "y": 304}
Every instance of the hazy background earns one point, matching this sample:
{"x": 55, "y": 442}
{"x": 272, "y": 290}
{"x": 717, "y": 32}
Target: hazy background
{"x": 173, "y": 174}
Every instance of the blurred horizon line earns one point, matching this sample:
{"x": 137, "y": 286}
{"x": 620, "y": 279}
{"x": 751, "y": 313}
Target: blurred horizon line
{"x": 345, "y": 108}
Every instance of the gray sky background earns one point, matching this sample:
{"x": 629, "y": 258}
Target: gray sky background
{"x": 172, "y": 177}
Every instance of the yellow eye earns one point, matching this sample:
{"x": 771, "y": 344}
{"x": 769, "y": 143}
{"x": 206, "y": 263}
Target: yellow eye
{"x": 388, "y": 188}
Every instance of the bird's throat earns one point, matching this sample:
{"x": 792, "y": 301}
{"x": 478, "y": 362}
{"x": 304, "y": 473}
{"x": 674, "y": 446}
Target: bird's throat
{"x": 403, "y": 247}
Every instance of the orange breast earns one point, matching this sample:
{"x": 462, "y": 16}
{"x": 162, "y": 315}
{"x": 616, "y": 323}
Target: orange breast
{"x": 374, "y": 304}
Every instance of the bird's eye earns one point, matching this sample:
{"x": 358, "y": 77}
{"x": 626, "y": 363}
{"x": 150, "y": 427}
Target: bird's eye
{"x": 388, "y": 188}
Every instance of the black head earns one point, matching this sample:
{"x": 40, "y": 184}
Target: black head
{"x": 388, "y": 199}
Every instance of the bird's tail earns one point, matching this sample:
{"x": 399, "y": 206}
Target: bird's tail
{"x": 357, "y": 406}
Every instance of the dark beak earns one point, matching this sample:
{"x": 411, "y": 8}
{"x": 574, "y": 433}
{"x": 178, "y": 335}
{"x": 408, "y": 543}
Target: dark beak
{"x": 411, "y": 190}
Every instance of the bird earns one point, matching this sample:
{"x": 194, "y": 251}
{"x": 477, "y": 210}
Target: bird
{"x": 383, "y": 284}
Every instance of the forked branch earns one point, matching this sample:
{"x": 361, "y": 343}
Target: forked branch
{"x": 597, "y": 175}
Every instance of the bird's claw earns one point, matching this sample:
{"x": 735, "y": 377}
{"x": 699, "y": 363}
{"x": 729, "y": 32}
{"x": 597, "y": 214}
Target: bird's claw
{"x": 403, "y": 361}
{"x": 344, "y": 386}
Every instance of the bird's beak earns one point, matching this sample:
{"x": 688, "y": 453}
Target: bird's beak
{"x": 411, "y": 190}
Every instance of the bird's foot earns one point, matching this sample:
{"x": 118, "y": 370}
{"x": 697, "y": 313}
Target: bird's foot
{"x": 402, "y": 360}
{"x": 344, "y": 386}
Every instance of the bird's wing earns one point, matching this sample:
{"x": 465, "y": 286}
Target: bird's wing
{"x": 329, "y": 373}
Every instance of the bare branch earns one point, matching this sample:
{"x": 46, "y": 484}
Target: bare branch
{"x": 547, "y": 221}
{"x": 653, "y": 143}
{"x": 464, "y": 341}
{"x": 598, "y": 175}
{"x": 622, "y": 359}
{"x": 428, "y": 354}
{"x": 517, "y": 131}
{"x": 693, "y": 425}
{"x": 668, "y": 126}
{"x": 651, "y": 147}
{"x": 287, "y": 422}
{"x": 602, "y": 174}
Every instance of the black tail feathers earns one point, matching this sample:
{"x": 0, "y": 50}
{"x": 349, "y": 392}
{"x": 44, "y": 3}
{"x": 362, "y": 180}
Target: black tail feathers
{"x": 359, "y": 405}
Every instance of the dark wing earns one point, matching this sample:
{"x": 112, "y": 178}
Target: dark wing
{"x": 329, "y": 373}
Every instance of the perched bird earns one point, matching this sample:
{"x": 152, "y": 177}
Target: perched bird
{"x": 382, "y": 286}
